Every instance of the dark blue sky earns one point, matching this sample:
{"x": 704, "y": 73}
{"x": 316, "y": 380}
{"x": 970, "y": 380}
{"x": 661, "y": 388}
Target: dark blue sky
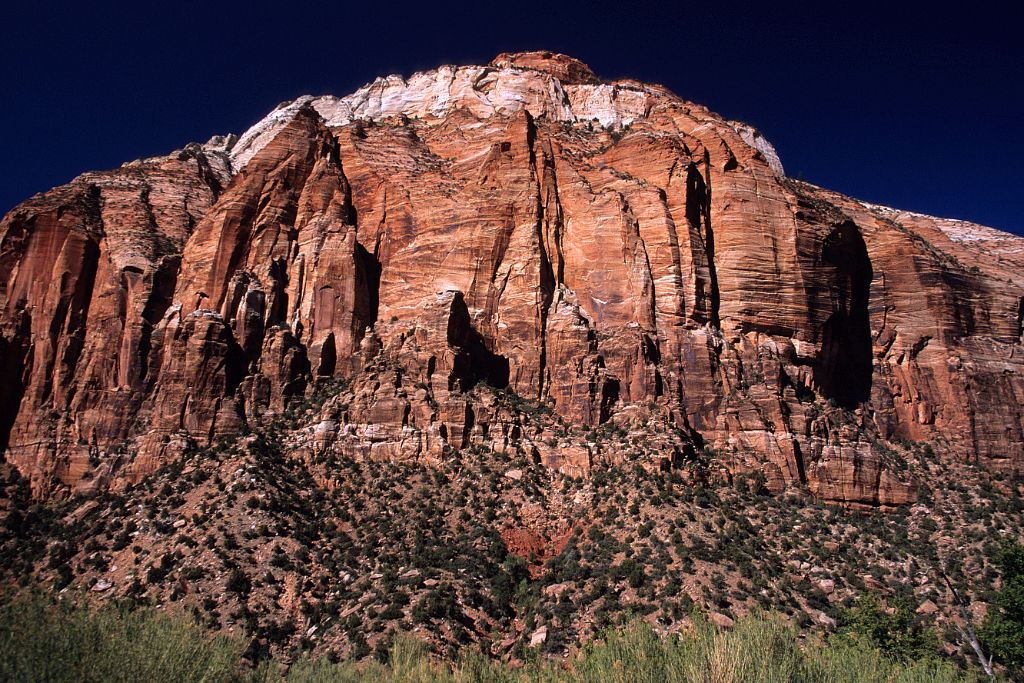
{"x": 922, "y": 109}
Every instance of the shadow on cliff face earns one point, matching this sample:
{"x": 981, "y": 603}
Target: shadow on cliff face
{"x": 843, "y": 370}
{"x": 368, "y": 271}
{"x": 698, "y": 216}
{"x": 476, "y": 363}
{"x": 14, "y": 356}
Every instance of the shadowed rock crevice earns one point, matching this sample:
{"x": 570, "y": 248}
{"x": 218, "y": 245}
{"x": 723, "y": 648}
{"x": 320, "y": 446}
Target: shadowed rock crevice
{"x": 328, "y": 357}
{"x": 474, "y": 362}
{"x": 486, "y": 365}
{"x": 610, "y": 390}
{"x": 164, "y": 278}
{"x": 698, "y": 214}
{"x": 843, "y": 368}
{"x": 14, "y": 356}
{"x": 235, "y": 365}
{"x": 278, "y": 309}
{"x": 798, "y": 458}
{"x": 368, "y": 272}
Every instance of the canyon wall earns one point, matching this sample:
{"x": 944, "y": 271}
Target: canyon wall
{"x": 607, "y": 251}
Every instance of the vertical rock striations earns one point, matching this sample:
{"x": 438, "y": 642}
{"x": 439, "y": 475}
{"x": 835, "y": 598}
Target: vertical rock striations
{"x": 605, "y": 249}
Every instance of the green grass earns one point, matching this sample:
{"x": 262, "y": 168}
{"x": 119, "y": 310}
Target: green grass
{"x": 41, "y": 640}
{"x": 45, "y": 641}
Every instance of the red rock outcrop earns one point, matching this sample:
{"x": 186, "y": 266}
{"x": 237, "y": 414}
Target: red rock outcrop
{"x": 606, "y": 249}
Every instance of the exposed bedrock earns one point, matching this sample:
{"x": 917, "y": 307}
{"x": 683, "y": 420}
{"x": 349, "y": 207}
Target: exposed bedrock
{"x": 607, "y": 251}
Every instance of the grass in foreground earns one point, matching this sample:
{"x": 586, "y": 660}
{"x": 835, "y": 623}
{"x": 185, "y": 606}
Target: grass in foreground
{"x": 45, "y": 641}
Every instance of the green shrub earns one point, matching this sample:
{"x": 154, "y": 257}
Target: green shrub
{"x": 897, "y": 632}
{"x": 1003, "y": 630}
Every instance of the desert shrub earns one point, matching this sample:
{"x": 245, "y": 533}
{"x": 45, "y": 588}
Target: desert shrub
{"x": 1003, "y": 630}
{"x": 897, "y": 632}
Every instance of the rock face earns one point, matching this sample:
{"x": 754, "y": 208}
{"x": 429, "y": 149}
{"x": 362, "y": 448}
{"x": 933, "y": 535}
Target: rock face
{"x": 607, "y": 250}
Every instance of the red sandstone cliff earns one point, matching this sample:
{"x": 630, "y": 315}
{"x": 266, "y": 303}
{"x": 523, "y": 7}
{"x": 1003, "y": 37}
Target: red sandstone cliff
{"x": 607, "y": 248}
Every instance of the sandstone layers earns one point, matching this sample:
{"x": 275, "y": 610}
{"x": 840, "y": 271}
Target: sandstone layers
{"x": 606, "y": 249}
